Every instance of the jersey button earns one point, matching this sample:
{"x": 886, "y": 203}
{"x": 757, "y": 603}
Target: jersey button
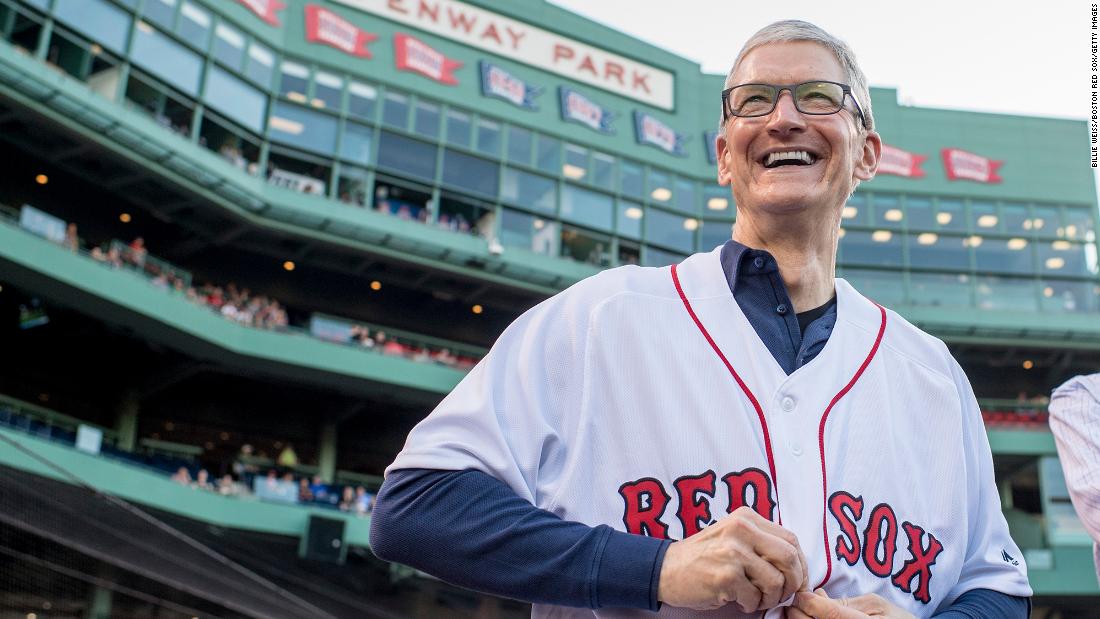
{"x": 781, "y": 309}
{"x": 796, "y": 450}
{"x": 787, "y": 404}
{"x": 758, "y": 262}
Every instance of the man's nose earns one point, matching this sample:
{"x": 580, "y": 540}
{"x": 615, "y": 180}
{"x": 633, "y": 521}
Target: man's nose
{"x": 785, "y": 116}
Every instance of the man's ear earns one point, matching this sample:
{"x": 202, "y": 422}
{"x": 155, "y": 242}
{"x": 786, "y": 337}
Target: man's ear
{"x": 867, "y": 164}
{"x": 725, "y": 169}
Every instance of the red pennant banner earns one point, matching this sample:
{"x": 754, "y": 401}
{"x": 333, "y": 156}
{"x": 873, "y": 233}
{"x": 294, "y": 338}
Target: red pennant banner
{"x": 324, "y": 26}
{"x": 900, "y": 162}
{"x": 412, "y": 54}
{"x": 265, "y": 9}
{"x": 962, "y": 165}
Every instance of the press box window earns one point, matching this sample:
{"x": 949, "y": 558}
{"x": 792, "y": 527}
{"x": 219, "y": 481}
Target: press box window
{"x": 427, "y": 119}
{"x": 519, "y": 145}
{"x": 228, "y": 46}
{"x": 165, "y": 58}
{"x": 304, "y": 128}
{"x": 328, "y": 90}
{"x": 103, "y": 22}
{"x": 362, "y": 100}
{"x": 395, "y": 110}
{"x": 162, "y": 12}
{"x": 488, "y": 137}
{"x": 458, "y": 128}
{"x": 261, "y": 65}
{"x": 194, "y": 25}
{"x": 235, "y": 98}
{"x": 294, "y": 82}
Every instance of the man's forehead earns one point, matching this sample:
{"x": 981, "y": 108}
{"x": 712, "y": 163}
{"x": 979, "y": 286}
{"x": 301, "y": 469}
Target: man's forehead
{"x": 789, "y": 62}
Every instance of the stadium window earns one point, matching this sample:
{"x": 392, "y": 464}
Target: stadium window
{"x": 1013, "y": 255}
{"x": 883, "y": 286}
{"x": 161, "y": 12}
{"x": 878, "y": 248}
{"x": 1079, "y": 224}
{"x": 603, "y": 171}
{"x": 1005, "y": 293}
{"x": 25, "y": 29}
{"x": 68, "y": 52}
{"x": 529, "y": 232}
{"x": 302, "y": 127}
{"x": 228, "y": 46}
{"x": 659, "y": 186}
{"x": 585, "y": 246}
{"x": 194, "y": 25}
{"x": 716, "y": 199}
{"x": 466, "y": 215}
{"x": 631, "y": 182}
{"x": 298, "y": 171}
{"x": 170, "y": 109}
{"x": 629, "y": 253}
{"x": 294, "y": 81}
{"x": 519, "y": 145}
{"x": 629, "y": 223}
{"x": 39, "y": 4}
{"x": 655, "y": 257}
{"x": 686, "y": 200}
{"x": 918, "y": 213}
{"x": 426, "y": 121}
{"x": 530, "y": 191}
{"x": 548, "y": 157}
{"x": 261, "y": 65}
{"x": 165, "y": 58}
{"x": 1046, "y": 221}
{"x": 352, "y": 185}
{"x": 1062, "y": 296}
{"x": 328, "y": 91}
{"x": 1016, "y": 219}
{"x": 854, "y": 212}
{"x": 235, "y": 98}
{"x": 950, "y": 215}
{"x": 458, "y": 128}
{"x": 393, "y": 198}
{"x": 234, "y": 144}
{"x": 1063, "y": 258}
{"x": 469, "y": 173}
{"x": 355, "y": 143}
{"x": 886, "y": 212}
{"x": 983, "y": 217}
{"x": 406, "y": 156}
{"x": 575, "y": 167}
{"x": 714, "y": 233}
{"x": 670, "y": 230}
{"x": 362, "y": 100}
{"x": 395, "y": 110}
{"x": 929, "y": 250}
{"x": 586, "y": 207}
{"x": 488, "y": 137}
{"x": 940, "y": 290}
{"x": 105, "y": 23}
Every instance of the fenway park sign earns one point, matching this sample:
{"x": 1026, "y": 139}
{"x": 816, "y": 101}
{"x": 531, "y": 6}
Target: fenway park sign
{"x": 528, "y": 44}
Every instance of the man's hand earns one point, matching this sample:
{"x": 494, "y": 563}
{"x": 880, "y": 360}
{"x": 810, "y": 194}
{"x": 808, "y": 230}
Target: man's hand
{"x": 818, "y": 605}
{"x": 743, "y": 558}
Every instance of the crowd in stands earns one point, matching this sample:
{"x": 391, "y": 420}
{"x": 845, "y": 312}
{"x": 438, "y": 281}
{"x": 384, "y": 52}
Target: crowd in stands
{"x": 361, "y": 335}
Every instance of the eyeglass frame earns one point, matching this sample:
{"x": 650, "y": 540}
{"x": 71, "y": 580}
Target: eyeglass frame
{"x": 846, "y": 89}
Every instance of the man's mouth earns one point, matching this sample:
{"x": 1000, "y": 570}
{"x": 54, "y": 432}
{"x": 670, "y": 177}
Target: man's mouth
{"x": 789, "y": 158}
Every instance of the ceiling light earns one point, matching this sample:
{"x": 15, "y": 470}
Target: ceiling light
{"x": 718, "y": 204}
{"x": 849, "y": 212}
{"x": 41, "y": 179}
{"x": 571, "y": 171}
{"x": 317, "y": 102}
{"x": 893, "y": 214}
{"x": 661, "y": 194}
{"x": 1028, "y": 364}
{"x": 881, "y": 236}
{"x": 1016, "y": 244}
{"x": 1071, "y": 231}
{"x": 95, "y": 48}
{"x": 842, "y": 233}
{"x": 987, "y": 221}
{"x": 376, "y": 285}
{"x": 1060, "y": 245}
{"x": 1027, "y": 224}
{"x": 974, "y": 241}
{"x": 1048, "y": 292}
{"x": 477, "y": 309}
{"x": 296, "y": 96}
{"x": 943, "y": 218}
{"x": 1037, "y": 223}
{"x": 124, "y": 218}
{"x": 1055, "y": 263}
{"x": 633, "y": 212}
{"x": 288, "y": 265}
{"x": 927, "y": 238}
{"x": 691, "y": 224}
{"x": 539, "y": 224}
{"x": 286, "y": 125}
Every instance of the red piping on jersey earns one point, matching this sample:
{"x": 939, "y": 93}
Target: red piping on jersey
{"x": 741, "y": 383}
{"x": 821, "y": 443}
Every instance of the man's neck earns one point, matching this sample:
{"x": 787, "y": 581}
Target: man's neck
{"x": 806, "y": 257}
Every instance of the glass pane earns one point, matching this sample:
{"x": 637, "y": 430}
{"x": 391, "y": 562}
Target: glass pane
{"x": 630, "y": 219}
{"x": 395, "y": 110}
{"x": 655, "y": 257}
{"x": 400, "y": 201}
{"x": 458, "y": 128}
{"x": 1065, "y": 297}
{"x": 528, "y": 232}
{"x": 1006, "y": 293}
{"x": 887, "y": 212}
{"x": 669, "y": 230}
{"x": 629, "y": 253}
{"x": 929, "y": 250}
{"x": 950, "y": 215}
{"x": 294, "y": 81}
{"x": 160, "y": 11}
{"x": 519, "y": 145}
{"x": 919, "y": 213}
{"x": 714, "y": 233}
{"x": 1046, "y": 222}
{"x": 352, "y": 186}
{"x": 194, "y": 25}
{"x": 576, "y": 162}
{"x": 362, "y": 99}
{"x": 603, "y": 171}
{"x": 883, "y": 287}
{"x": 235, "y": 98}
{"x": 686, "y": 200}
{"x": 1016, "y": 219}
{"x": 327, "y": 91}
{"x": 630, "y": 180}
{"x": 549, "y": 155}
{"x": 939, "y": 289}
{"x": 406, "y": 156}
{"x": 488, "y": 137}
{"x": 1079, "y": 224}
{"x": 261, "y": 65}
{"x": 427, "y": 119}
{"x": 660, "y": 186}
{"x": 586, "y": 207}
{"x": 228, "y": 46}
{"x": 291, "y": 124}
{"x": 530, "y": 191}
{"x": 355, "y": 143}
{"x": 1063, "y": 258}
{"x": 298, "y": 172}
{"x": 1004, "y": 255}
{"x": 881, "y": 248}
{"x": 105, "y": 23}
{"x": 470, "y": 173}
{"x": 854, "y": 211}
{"x": 165, "y": 58}
{"x": 983, "y": 217}
{"x": 583, "y": 246}
{"x": 717, "y": 199}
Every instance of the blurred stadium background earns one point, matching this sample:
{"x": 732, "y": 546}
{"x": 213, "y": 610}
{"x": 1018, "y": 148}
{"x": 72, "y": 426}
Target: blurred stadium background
{"x": 245, "y": 245}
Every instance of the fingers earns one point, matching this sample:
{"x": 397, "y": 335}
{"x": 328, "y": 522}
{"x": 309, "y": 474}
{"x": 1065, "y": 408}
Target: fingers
{"x": 793, "y": 612}
{"x": 821, "y": 606}
{"x": 781, "y": 557}
{"x": 773, "y": 585}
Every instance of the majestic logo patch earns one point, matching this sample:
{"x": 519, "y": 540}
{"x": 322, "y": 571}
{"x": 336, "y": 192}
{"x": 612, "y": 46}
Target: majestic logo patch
{"x": 1008, "y": 558}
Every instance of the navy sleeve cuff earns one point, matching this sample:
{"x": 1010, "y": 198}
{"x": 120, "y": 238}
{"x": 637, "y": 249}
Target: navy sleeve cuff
{"x": 629, "y": 571}
{"x": 987, "y": 604}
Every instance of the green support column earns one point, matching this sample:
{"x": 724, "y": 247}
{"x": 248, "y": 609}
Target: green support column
{"x": 126, "y": 420}
{"x": 99, "y": 604}
{"x": 326, "y": 452}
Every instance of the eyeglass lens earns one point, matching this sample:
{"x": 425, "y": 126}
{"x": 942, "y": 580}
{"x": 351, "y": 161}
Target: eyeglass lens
{"x": 809, "y": 98}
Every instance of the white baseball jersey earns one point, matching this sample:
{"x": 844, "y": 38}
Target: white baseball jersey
{"x": 642, "y": 398}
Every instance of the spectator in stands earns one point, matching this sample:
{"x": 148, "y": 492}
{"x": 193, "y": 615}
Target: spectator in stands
{"x": 228, "y": 487}
{"x": 230, "y": 149}
{"x": 182, "y": 476}
{"x": 347, "y": 501}
{"x": 287, "y": 458}
{"x": 202, "y": 481}
{"x": 72, "y": 239}
{"x": 319, "y": 489}
{"x": 364, "y": 501}
{"x": 443, "y": 356}
{"x": 137, "y": 252}
{"x": 404, "y": 212}
{"x": 272, "y": 481}
{"x": 305, "y": 495}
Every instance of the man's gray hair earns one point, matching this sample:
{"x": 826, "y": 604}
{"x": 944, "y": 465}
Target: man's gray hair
{"x": 791, "y": 30}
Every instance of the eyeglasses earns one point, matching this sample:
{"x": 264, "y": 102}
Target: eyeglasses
{"x": 816, "y": 98}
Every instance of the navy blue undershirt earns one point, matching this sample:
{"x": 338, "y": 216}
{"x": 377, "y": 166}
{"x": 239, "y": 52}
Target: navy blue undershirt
{"x": 471, "y": 529}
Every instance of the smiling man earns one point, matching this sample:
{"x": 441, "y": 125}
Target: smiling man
{"x": 793, "y": 435}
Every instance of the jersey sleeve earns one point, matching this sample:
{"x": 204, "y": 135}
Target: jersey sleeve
{"x": 511, "y": 416}
{"x": 993, "y": 560}
{"x": 1075, "y": 422}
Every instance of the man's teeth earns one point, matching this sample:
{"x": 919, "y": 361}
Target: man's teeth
{"x": 792, "y": 155}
